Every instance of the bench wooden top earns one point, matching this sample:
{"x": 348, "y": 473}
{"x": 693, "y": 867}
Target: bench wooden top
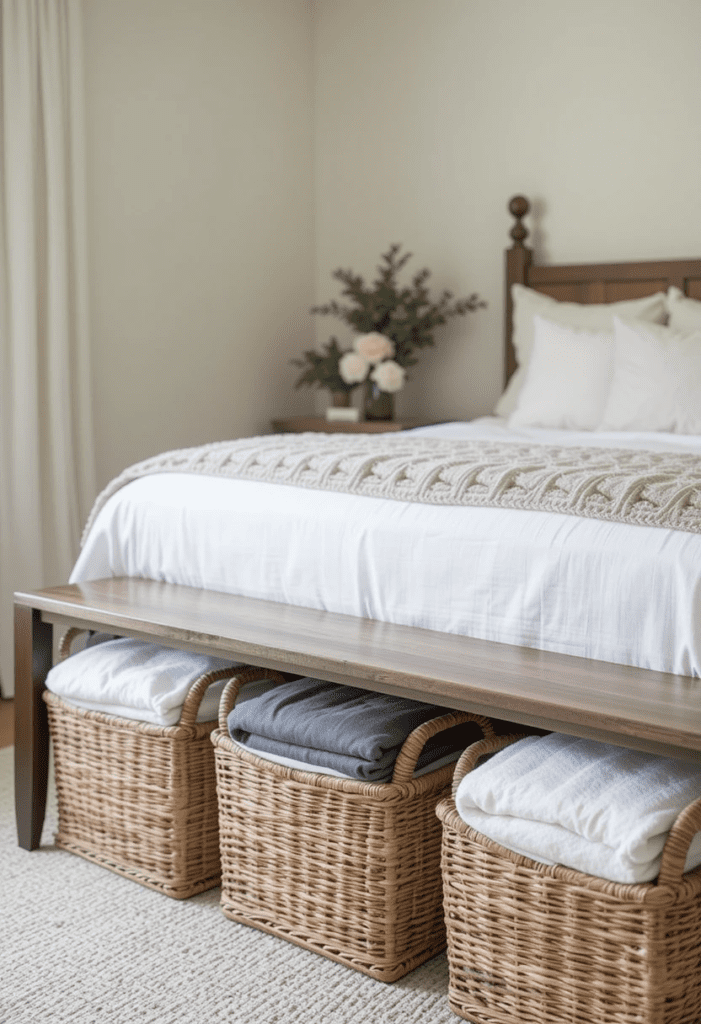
{"x": 633, "y": 707}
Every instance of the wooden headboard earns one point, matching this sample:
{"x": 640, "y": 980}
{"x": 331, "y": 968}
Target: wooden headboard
{"x": 587, "y": 282}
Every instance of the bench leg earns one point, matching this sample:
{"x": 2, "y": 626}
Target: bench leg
{"x": 33, "y": 658}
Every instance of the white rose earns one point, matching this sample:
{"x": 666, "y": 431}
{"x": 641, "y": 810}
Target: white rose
{"x": 374, "y": 347}
{"x": 353, "y": 367}
{"x": 389, "y": 376}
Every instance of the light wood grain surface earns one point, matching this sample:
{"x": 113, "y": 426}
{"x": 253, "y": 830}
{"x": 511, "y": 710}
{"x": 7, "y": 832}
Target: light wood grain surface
{"x": 639, "y": 708}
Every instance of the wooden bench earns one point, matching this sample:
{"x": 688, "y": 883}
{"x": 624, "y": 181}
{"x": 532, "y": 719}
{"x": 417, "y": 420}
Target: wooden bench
{"x": 646, "y": 710}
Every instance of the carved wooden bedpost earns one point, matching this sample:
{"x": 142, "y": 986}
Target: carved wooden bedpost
{"x": 518, "y": 261}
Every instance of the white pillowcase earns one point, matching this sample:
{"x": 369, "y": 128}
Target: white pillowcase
{"x": 656, "y": 382}
{"x": 684, "y": 313}
{"x": 567, "y": 381}
{"x": 527, "y": 304}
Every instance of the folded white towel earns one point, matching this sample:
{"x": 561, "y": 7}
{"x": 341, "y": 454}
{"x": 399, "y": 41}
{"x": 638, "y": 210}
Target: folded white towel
{"x": 601, "y": 809}
{"x": 138, "y": 680}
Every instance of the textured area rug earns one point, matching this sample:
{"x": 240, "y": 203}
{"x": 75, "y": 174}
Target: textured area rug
{"x": 80, "y": 944}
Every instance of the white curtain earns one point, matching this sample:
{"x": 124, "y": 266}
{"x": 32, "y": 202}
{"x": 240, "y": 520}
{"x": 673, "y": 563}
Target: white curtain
{"x": 46, "y": 454}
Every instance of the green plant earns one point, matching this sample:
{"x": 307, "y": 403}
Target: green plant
{"x": 407, "y": 315}
{"x": 322, "y": 370}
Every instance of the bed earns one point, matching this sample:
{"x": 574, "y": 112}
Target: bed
{"x": 535, "y": 616}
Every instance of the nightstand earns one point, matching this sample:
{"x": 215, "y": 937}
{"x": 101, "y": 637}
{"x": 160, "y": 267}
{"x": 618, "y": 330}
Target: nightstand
{"x": 319, "y": 424}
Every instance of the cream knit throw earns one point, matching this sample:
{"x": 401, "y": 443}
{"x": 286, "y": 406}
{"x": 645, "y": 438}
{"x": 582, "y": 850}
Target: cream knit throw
{"x": 647, "y": 488}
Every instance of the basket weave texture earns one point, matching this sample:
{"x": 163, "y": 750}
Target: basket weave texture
{"x": 137, "y": 798}
{"x": 551, "y": 945}
{"x": 348, "y": 869}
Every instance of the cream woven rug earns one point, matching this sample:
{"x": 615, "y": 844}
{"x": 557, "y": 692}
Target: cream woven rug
{"x": 79, "y": 944}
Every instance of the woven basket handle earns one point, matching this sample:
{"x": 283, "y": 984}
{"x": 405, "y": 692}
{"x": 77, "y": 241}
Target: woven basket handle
{"x": 405, "y": 765}
{"x": 191, "y": 704}
{"x": 64, "y": 646}
{"x": 683, "y": 830}
{"x": 470, "y": 757}
{"x": 231, "y": 690}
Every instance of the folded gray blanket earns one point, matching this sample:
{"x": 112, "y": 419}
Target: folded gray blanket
{"x": 353, "y": 731}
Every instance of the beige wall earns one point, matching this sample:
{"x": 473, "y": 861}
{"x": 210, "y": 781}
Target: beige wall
{"x": 430, "y": 115}
{"x": 199, "y": 150}
{"x": 240, "y": 150}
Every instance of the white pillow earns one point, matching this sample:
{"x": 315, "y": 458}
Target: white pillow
{"x": 684, "y": 313}
{"x": 656, "y": 382}
{"x": 567, "y": 381}
{"x": 528, "y": 303}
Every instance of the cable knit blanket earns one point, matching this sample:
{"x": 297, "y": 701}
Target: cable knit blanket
{"x": 640, "y": 487}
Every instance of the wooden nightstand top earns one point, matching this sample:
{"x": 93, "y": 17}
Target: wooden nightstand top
{"x": 301, "y": 424}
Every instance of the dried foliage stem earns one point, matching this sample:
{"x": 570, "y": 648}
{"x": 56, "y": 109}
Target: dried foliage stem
{"x": 408, "y": 315}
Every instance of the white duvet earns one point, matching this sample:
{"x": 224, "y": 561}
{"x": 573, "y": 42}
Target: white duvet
{"x": 619, "y": 593}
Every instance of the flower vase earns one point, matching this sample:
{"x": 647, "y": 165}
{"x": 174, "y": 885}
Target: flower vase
{"x": 377, "y": 404}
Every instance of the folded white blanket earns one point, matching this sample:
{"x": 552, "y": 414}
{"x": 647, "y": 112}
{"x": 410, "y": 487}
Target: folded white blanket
{"x": 137, "y": 680}
{"x": 601, "y": 809}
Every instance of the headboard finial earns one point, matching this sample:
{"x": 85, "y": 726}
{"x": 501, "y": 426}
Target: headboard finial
{"x": 518, "y": 208}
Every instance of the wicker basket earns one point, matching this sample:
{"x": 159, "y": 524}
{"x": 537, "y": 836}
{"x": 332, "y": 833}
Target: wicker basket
{"x": 137, "y": 798}
{"x": 551, "y": 945}
{"x": 347, "y": 869}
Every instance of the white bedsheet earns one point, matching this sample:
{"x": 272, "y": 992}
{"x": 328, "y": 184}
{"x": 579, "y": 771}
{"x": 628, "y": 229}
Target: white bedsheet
{"x": 619, "y": 593}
